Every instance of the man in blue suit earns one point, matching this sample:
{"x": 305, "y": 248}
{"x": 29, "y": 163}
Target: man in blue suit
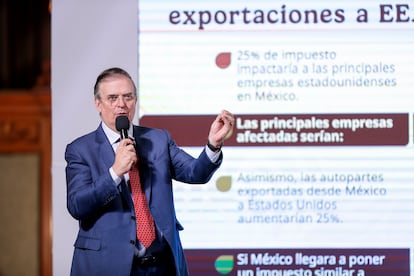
{"x": 98, "y": 193}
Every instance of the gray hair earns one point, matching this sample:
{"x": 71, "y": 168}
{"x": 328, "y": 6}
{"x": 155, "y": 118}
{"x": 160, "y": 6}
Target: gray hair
{"x": 110, "y": 73}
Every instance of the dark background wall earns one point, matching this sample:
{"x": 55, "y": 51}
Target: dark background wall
{"x": 25, "y": 42}
{"x": 25, "y": 235}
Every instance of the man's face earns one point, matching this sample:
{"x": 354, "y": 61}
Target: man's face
{"x": 117, "y": 97}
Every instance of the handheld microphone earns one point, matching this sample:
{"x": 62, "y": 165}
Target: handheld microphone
{"x": 122, "y": 125}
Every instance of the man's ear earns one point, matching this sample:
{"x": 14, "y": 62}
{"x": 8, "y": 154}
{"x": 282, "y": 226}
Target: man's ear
{"x": 98, "y": 105}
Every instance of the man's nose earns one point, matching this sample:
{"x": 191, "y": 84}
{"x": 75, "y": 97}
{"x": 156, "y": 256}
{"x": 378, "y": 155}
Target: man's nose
{"x": 121, "y": 101}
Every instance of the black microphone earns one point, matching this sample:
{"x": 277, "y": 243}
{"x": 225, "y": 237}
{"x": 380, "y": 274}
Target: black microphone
{"x": 122, "y": 125}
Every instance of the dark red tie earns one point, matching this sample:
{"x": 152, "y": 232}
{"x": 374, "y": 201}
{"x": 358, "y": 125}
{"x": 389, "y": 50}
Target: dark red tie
{"x": 144, "y": 219}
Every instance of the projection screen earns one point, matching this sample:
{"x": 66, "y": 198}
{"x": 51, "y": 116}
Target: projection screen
{"x": 316, "y": 175}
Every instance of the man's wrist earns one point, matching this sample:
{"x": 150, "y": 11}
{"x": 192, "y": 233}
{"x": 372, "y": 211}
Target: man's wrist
{"x": 214, "y": 148}
{"x": 114, "y": 176}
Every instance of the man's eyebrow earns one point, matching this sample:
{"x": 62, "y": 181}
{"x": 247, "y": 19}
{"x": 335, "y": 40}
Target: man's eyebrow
{"x": 116, "y": 94}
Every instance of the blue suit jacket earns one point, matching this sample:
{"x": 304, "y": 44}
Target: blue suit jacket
{"x": 105, "y": 244}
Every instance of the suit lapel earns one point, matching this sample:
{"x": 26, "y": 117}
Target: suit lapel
{"x": 144, "y": 164}
{"x": 126, "y": 194}
{"x": 107, "y": 155}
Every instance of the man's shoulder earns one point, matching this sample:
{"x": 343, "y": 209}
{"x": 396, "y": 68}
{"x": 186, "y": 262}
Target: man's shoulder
{"x": 144, "y": 130}
{"x": 156, "y": 135}
{"x": 85, "y": 138}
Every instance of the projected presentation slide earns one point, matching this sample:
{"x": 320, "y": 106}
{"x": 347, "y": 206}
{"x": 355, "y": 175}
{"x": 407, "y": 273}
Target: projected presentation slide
{"x": 318, "y": 175}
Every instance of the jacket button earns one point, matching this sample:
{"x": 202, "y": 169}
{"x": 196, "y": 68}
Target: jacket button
{"x": 132, "y": 242}
{"x": 133, "y": 217}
